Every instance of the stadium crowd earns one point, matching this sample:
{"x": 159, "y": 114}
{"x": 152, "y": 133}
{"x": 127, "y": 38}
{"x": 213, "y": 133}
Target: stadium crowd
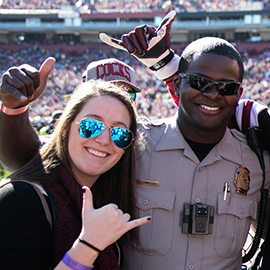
{"x": 67, "y": 73}
{"x": 154, "y": 100}
{"x": 134, "y": 5}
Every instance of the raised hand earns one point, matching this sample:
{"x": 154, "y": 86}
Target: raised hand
{"x": 22, "y": 85}
{"x": 103, "y": 226}
{"x": 149, "y": 45}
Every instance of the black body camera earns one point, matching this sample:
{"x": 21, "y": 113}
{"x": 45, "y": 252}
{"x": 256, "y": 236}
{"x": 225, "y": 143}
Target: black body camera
{"x": 197, "y": 218}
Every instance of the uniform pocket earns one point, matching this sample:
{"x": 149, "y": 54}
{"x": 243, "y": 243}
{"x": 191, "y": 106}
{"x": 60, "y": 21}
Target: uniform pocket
{"x": 232, "y": 223}
{"x": 156, "y": 236}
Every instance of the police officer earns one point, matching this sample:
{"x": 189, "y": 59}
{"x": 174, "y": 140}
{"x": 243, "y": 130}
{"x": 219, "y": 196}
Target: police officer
{"x": 198, "y": 179}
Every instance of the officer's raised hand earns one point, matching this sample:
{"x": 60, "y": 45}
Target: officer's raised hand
{"x": 23, "y": 84}
{"x": 149, "y": 45}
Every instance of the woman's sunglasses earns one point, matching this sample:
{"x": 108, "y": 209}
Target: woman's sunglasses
{"x": 90, "y": 128}
{"x": 132, "y": 95}
{"x": 203, "y": 84}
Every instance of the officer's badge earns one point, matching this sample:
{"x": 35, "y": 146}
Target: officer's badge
{"x": 242, "y": 180}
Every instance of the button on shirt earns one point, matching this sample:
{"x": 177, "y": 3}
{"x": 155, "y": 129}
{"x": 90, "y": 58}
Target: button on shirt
{"x": 182, "y": 178}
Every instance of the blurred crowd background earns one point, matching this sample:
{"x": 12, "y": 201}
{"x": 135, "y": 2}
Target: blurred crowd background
{"x": 135, "y": 5}
{"x": 154, "y": 100}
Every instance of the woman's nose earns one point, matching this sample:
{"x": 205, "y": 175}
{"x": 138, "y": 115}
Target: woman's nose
{"x": 105, "y": 137}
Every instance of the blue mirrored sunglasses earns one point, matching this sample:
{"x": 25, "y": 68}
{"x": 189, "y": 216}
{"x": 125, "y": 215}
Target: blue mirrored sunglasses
{"x": 132, "y": 95}
{"x": 130, "y": 92}
{"x": 90, "y": 128}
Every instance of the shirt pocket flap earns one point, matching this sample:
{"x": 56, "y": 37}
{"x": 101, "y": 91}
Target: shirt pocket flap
{"x": 149, "y": 198}
{"x": 238, "y": 205}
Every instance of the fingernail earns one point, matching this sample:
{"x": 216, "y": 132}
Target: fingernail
{"x": 149, "y": 218}
{"x": 83, "y": 190}
{"x": 23, "y": 98}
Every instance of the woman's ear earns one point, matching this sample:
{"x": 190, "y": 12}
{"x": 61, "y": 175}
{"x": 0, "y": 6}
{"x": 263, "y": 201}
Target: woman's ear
{"x": 176, "y": 85}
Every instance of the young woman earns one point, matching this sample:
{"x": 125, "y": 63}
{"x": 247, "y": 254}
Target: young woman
{"x": 93, "y": 148}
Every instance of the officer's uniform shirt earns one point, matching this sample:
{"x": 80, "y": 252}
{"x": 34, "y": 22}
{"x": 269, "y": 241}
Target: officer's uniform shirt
{"x": 169, "y": 174}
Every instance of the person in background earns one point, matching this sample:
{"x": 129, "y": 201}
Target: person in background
{"x": 92, "y": 147}
{"x": 50, "y": 128}
{"x": 115, "y": 71}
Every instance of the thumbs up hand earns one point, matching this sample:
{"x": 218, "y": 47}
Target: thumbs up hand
{"x": 22, "y": 85}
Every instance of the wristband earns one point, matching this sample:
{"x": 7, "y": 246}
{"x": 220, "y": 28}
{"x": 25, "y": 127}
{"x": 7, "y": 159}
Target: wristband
{"x": 170, "y": 70}
{"x": 162, "y": 62}
{"x": 89, "y": 245}
{"x": 17, "y": 111}
{"x": 72, "y": 264}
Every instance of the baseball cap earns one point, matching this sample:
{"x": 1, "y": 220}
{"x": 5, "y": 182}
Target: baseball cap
{"x": 113, "y": 70}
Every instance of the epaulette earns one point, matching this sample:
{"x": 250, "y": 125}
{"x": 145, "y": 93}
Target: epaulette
{"x": 147, "y": 123}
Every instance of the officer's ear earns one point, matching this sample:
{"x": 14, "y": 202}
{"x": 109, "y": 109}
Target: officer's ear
{"x": 241, "y": 90}
{"x": 176, "y": 84}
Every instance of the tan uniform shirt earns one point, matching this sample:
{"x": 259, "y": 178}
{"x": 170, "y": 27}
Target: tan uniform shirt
{"x": 168, "y": 175}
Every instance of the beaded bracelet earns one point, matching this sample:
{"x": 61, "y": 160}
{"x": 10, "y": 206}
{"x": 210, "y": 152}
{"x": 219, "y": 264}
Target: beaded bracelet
{"x": 17, "y": 111}
{"x": 89, "y": 245}
{"x": 72, "y": 264}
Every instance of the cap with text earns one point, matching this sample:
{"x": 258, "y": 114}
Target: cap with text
{"x": 112, "y": 70}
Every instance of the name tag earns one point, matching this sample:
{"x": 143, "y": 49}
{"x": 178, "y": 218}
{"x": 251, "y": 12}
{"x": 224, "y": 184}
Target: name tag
{"x": 148, "y": 183}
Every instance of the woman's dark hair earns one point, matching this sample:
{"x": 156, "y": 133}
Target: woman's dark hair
{"x": 212, "y": 45}
{"x": 115, "y": 185}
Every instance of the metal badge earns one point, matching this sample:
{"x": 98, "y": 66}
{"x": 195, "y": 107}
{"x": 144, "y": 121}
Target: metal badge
{"x": 242, "y": 180}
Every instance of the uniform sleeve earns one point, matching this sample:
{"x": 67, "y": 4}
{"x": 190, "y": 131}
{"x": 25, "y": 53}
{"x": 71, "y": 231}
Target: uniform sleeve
{"x": 25, "y": 233}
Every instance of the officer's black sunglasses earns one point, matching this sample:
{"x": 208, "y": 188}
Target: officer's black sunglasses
{"x": 203, "y": 84}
